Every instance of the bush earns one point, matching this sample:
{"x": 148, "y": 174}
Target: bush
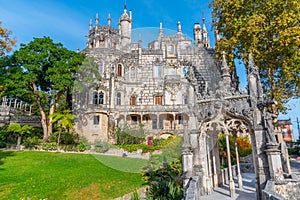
{"x": 32, "y": 141}
{"x": 52, "y": 146}
{"x": 82, "y": 146}
{"x": 2, "y": 144}
{"x": 129, "y": 135}
{"x": 165, "y": 183}
{"x": 101, "y": 147}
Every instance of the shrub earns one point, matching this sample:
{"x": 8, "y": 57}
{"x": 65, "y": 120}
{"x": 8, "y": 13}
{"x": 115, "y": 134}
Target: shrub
{"x": 32, "y": 141}
{"x": 129, "y": 135}
{"x": 2, "y": 144}
{"x": 82, "y": 146}
{"x": 49, "y": 146}
{"x": 165, "y": 183}
{"x": 101, "y": 147}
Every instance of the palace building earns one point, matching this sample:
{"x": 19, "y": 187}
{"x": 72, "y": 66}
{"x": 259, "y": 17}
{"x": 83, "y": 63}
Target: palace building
{"x": 156, "y": 86}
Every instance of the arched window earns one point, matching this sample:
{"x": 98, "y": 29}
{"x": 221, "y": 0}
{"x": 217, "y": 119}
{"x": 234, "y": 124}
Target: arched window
{"x": 119, "y": 70}
{"x": 185, "y": 99}
{"x": 95, "y": 98}
{"x": 118, "y": 98}
{"x": 133, "y": 100}
{"x": 101, "y": 98}
{"x": 101, "y": 67}
{"x": 171, "y": 49}
{"x": 132, "y": 72}
{"x": 185, "y": 71}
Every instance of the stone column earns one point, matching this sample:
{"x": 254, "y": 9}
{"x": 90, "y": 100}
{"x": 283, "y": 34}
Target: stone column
{"x": 274, "y": 160}
{"x": 239, "y": 176}
{"x": 231, "y": 183}
{"x": 216, "y": 162}
{"x": 187, "y": 158}
{"x": 208, "y": 178}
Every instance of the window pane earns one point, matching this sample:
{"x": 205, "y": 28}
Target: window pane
{"x": 101, "y": 98}
{"x": 96, "y": 119}
{"x": 118, "y": 98}
{"x": 95, "y": 99}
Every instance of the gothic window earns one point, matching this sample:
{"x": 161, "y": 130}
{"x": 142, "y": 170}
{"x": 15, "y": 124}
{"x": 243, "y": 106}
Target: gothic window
{"x": 118, "y": 98}
{"x": 134, "y": 119}
{"x": 171, "y": 49}
{"x": 180, "y": 119}
{"x": 96, "y": 119}
{"x": 172, "y": 71}
{"x": 101, "y": 98}
{"x": 95, "y": 98}
{"x": 157, "y": 71}
{"x": 185, "y": 71}
{"x": 119, "y": 70}
{"x": 98, "y": 98}
{"x": 158, "y": 100}
{"x": 185, "y": 99}
{"x": 101, "y": 67}
{"x": 132, "y": 72}
{"x": 133, "y": 100}
{"x": 154, "y": 122}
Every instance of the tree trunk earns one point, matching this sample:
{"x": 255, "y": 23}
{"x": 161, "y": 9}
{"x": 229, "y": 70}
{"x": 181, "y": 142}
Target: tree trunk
{"x": 19, "y": 142}
{"x": 43, "y": 113}
{"x": 52, "y": 110}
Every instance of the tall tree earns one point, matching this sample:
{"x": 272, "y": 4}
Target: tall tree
{"x": 270, "y": 30}
{"x": 6, "y": 42}
{"x": 43, "y": 71}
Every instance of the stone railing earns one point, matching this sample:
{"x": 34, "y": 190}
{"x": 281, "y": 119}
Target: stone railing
{"x": 191, "y": 191}
{"x": 288, "y": 189}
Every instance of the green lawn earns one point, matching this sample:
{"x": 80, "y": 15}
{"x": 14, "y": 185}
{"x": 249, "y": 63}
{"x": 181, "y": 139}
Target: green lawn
{"x": 46, "y": 175}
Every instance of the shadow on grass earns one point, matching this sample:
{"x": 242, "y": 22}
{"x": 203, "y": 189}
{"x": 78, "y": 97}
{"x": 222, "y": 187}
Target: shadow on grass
{"x": 4, "y": 154}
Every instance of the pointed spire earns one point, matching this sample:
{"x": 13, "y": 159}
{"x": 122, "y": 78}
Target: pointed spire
{"x": 108, "y": 19}
{"x": 91, "y": 24}
{"x": 97, "y": 20}
{"x": 225, "y": 68}
{"x": 204, "y": 27}
{"x": 130, "y": 15}
{"x": 179, "y": 27}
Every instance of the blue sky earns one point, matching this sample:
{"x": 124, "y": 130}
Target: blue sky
{"x": 67, "y": 22}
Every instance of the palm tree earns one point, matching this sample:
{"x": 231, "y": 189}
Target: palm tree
{"x": 65, "y": 122}
{"x": 20, "y": 131}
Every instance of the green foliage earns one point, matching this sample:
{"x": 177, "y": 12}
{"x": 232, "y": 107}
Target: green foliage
{"x": 135, "y": 196}
{"x": 101, "y": 147}
{"x": 52, "y": 146}
{"x": 165, "y": 183}
{"x": 82, "y": 146}
{"x": 129, "y": 135}
{"x": 42, "y": 72}
{"x": 294, "y": 151}
{"x": 30, "y": 142}
{"x": 270, "y": 31}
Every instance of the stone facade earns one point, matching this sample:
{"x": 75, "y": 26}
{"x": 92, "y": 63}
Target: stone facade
{"x": 156, "y": 86}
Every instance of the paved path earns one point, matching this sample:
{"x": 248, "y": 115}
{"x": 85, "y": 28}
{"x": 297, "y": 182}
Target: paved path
{"x": 247, "y": 193}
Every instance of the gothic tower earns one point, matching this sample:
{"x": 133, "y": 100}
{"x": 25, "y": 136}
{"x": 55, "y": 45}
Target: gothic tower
{"x": 125, "y": 24}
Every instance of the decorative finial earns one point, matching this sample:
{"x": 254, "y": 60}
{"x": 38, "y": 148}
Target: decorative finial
{"x": 225, "y": 68}
{"x": 108, "y": 20}
{"x": 91, "y": 24}
{"x": 160, "y": 30}
{"x": 97, "y": 20}
{"x": 178, "y": 27}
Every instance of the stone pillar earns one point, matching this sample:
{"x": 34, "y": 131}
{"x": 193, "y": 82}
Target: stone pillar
{"x": 187, "y": 158}
{"x": 274, "y": 160}
{"x": 216, "y": 161}
{"x": 209, "y": 167}
{"x": 239, "y": 176}
{"x": 231, "y": 183}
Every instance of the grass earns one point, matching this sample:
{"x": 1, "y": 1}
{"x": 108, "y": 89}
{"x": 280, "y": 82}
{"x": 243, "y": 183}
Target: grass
{"x": 46, "y": 175}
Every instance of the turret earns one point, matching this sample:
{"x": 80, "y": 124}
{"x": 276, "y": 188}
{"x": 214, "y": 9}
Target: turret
{"x": 205, "y": 34}
{"x": 179, "y": 28}
{"x": 125, "y": 23}
{"x": 197, "y": 34}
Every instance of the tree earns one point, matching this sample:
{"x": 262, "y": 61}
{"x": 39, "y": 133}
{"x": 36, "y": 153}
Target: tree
{"x": 6, "y": 43}
{"x": 20, "y": 131}
{"x": 270, "y": 31}
{"x": 43, "y": 72}
{"x": 65, "y": 122}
